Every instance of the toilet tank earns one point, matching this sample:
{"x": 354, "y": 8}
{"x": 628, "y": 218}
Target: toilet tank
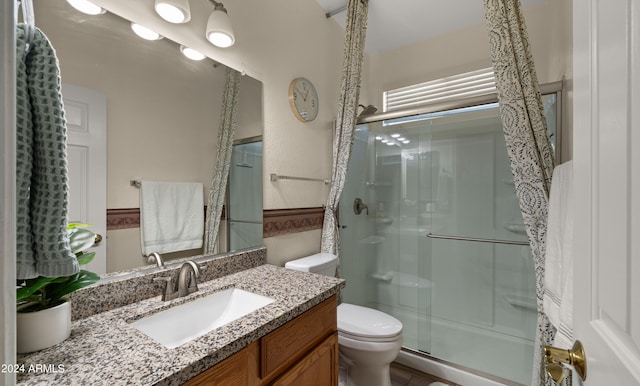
{"x": 320, "y": 263}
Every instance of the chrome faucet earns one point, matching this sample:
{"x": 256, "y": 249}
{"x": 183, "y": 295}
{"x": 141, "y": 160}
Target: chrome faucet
{"x": 187, "y": 282}
{"x": 169, "y": 290}
{"x": 188, "y": 278}
{"x": 155, "y": 257}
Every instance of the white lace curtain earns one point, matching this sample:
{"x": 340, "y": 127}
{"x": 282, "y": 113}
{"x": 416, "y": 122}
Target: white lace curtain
{"x": 528, "y": 143}
{"x": 354, "y": 42}
{"x": 217, "y": 190}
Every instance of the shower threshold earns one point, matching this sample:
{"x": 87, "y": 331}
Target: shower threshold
{"x": 438, "y": 361}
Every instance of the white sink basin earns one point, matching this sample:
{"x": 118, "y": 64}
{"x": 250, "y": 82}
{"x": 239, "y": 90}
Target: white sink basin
{"x": 183, "y": 323}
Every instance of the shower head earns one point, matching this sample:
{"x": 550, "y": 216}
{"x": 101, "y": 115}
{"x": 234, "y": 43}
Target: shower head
{"x": 367, "y": 110}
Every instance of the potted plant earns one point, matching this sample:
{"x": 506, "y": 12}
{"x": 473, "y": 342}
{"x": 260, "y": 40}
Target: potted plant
{"x": 44, "y": 311}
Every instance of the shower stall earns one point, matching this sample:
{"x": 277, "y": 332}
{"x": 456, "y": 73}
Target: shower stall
{"x": 431, "y": 233}
{"x": 243, "y": 217}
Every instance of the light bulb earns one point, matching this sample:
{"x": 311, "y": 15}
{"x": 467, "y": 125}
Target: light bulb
{"x": 145, "y": 32}
{"x": 191, "y": 53}
{"x": 173, "y": 11}
{"x": 219, "y": 29}
{"x": 86, "y": 6}
{"x": 220, "y": 39}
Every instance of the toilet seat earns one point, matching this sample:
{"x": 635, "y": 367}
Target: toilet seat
{"x": 366, "y": 324}
{"x": 392, "y": 345}
{"x": 376, "y": 339}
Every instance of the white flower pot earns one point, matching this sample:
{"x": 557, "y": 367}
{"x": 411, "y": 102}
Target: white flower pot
{"x": 41, "y": 329}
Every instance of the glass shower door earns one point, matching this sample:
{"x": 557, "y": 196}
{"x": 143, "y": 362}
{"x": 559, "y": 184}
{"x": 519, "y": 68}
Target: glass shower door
{"x": 384, "y": 249}
{"x": 403, "y": 188}
{"x": 483, "y": 287}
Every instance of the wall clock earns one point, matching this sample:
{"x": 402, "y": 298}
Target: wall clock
{"x": 303, "y": 99}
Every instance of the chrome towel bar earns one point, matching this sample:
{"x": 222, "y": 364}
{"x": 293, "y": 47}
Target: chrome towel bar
{"x": 276, "y": 177}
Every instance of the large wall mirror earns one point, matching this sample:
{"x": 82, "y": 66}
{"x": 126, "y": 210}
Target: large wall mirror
{"x": 161, "y": 124}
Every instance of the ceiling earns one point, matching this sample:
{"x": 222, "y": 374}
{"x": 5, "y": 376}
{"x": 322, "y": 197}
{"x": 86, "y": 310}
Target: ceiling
{"x": 396, "y": 23}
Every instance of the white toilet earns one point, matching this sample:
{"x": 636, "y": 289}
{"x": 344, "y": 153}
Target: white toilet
{"x": 369, "y": 340}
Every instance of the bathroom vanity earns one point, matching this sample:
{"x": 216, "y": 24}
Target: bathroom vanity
{"x": 292, "y": 340}
{"x": 302, "y": 352}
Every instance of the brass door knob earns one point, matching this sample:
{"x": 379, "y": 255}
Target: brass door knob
{"x": 556, "y": 372}
{"x": 574, "y": 357}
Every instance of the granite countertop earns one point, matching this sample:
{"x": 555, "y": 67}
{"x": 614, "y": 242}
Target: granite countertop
{"x": 104, "y": 349}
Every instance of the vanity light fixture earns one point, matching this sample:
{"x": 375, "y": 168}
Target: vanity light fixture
{"x": 395, "y": 135}
{"x": 384, "y": 141}
{"x": 87, "y": 7}
{"x": 173, "y": 11}
{"x": 191, "y": 53}
{"x": 378, "y": 137}
{"x": 219, "y": 29}
{"x": 401, "y": 139}
{"x": 145, "y": 32}
{"x": 406, "y": 141}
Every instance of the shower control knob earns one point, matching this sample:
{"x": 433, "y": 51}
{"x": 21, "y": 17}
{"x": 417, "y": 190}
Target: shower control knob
{"x": 359, "y": 206}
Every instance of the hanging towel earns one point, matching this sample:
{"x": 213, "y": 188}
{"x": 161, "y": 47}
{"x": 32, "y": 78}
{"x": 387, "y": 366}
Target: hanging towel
{"x": 42, "y": 243}
{"x": 171, "y": 216}
{"x": 558, "y": 281}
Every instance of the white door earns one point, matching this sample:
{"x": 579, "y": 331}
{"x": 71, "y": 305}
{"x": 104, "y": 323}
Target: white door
{"x": 607, "y": 188}
{"x": 86, "y": 114}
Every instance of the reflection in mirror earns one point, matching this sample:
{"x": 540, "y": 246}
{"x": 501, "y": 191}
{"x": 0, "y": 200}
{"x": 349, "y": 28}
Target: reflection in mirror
{"x": 244, "y": 195}
{"x": 161, "y": 121}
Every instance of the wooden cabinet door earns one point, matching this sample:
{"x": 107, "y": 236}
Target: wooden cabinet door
{"x": 319, "y": 367}
{"x": 239, "y": 369}
{"x": 285, "y": 346}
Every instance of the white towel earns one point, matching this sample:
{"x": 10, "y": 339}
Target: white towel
{"x": 171, "y": 216}
{"x": 558, "y": 275}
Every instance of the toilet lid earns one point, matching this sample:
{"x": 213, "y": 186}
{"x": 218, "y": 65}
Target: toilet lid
{"x": 367, "y": 322}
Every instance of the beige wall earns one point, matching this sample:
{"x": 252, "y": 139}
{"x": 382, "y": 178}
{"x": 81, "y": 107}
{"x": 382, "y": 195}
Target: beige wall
{"x": 549, "y": 27}
{"x": 281, "y": 249}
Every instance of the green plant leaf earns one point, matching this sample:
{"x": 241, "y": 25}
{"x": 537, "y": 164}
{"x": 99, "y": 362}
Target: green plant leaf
{"x": 77, "y": 225}
{"x": 32, "y": 286}
{"x": 81, "y": 239}
{"x": 85, "y": 258}
{"x": 44, "y": 292}
{"x": 72, "y": 283}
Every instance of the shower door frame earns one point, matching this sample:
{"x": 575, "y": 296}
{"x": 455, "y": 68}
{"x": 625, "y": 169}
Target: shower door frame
{"x": 545, "y": 89}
